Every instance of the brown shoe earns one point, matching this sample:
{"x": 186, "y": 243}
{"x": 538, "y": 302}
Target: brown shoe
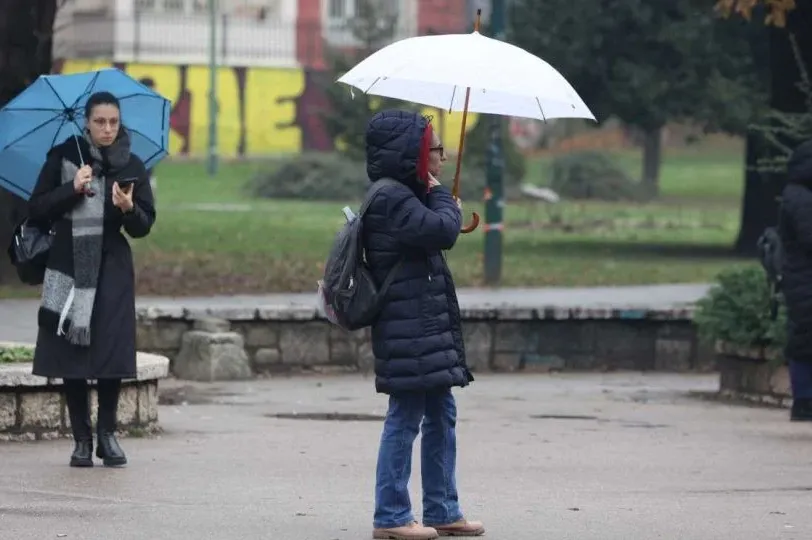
{"x": 462, "y": 527}
{"x": 413, "y": 531}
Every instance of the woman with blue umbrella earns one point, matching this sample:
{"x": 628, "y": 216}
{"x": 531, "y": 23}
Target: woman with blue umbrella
{"x": 91, "y": 189}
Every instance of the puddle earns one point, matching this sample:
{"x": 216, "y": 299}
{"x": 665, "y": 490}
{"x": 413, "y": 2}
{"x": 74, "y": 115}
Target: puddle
{"x": 329, "y": 417}
{"x": 562, "y": 417}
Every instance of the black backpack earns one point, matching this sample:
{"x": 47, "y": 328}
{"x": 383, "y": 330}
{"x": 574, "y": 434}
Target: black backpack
{"x": 771, "y": 256}
{"x": 348, "y": 295}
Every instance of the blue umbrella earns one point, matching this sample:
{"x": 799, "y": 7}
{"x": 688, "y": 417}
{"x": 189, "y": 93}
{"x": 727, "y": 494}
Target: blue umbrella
{"x": 52, "y": 109}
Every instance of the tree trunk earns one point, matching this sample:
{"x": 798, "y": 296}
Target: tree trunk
{"x": 26, "y": 30}
{"x": 760, "y": 203}
{"x": 652, "y": 158}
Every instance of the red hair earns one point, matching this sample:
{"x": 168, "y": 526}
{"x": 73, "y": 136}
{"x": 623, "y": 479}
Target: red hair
{"x": 423, "y": 156}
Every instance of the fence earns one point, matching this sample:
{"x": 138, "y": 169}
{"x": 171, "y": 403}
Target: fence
{"x": 162, "y": 38}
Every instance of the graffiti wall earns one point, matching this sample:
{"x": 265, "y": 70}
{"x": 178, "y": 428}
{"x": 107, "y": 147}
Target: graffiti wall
{"x": 261, "y": 111}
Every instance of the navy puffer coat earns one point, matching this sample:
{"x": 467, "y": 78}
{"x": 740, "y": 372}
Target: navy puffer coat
{"x": 796, "y": 236}
{"x": 417, "y": 339}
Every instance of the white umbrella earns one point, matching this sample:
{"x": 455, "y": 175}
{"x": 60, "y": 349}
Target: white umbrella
{"x": 468, "y": 72}
{"x": 436, "y": 71}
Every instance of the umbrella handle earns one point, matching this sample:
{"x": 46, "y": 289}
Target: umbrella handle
{"x": 456, "y": 189}
{"x": 473, "y": 225}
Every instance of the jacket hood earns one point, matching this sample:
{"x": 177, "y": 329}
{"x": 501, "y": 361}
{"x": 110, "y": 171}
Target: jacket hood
{"x": 393, "y": 145}
{"x": 799, "y": 166}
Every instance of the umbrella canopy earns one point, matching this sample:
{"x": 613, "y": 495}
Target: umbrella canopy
{"x": 436, "y": 70}
{"x": 51, "y": 109}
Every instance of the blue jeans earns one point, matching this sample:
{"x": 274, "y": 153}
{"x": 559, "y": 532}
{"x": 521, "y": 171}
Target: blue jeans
{"x": 438, "y": 414}
{"x": 800, "y": 377}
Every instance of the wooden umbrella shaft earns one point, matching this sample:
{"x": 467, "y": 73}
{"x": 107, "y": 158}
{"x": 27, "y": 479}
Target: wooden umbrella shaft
{"x": 455, "y": 190}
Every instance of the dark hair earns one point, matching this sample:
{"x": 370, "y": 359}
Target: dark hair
{"x": 100, "y": 98}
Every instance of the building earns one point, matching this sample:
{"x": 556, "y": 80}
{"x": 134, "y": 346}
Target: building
{"x": 250, "y": 33}
{"x": 271, "y": 57}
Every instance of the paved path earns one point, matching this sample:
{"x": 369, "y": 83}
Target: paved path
{"x": 18, "y": 317}
{"x": 628, "y": 458}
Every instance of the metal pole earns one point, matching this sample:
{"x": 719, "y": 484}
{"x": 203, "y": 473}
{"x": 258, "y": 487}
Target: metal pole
{"x": 212, "y": 154}
{"x": 494, "y": 200}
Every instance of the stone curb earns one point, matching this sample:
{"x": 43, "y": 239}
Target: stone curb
{"x": 149, "y": 367}
{"x": 481, "y": 312}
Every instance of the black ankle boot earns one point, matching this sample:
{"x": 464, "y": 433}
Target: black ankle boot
{"x": 76, "y": 396}
{"x": 801, "y": 410}
{"x": 109, "y": 451}
{"x": 82, "y": 454}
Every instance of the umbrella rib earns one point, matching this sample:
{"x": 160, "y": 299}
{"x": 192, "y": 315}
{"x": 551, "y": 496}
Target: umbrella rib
{"x": 542, "y": 110}
{"x": 128, "y": 96}
{"x": 62, "y": 101}
{"x": 89, "y": 86}
{"x": 34, "y": 109}
{"x": 15, "y": 184}
{"x": 143, "y": 135}
{"x": 27, "y": 133}
{"x": 453, "y": 95}
{"x": 371, "y": 85}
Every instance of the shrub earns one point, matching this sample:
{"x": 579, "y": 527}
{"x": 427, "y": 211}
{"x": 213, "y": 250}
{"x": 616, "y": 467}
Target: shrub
{"x": 313, "y": 176}
{"x": 591, "y": 175}
{"x": 736, "y": 311}
{"x": 334, "y": 177}
{"x": 11, "y": 355}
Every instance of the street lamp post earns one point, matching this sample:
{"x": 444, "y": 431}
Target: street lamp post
{"x": 212, "y": 152}
{"x": 494, "y": 197}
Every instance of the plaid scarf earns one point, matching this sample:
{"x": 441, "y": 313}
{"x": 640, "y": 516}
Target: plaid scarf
{"x": 69, "y": 289}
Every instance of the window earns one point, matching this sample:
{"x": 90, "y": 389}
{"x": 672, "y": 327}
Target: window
{"x": 339, "y": 9}
{"x": 174, "y": 6}
{"x": 144, "y": 6}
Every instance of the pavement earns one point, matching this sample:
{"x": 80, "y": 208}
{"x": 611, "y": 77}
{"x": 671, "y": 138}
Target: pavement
{"x": 18, "y": 318}
{"x": 562, "y": 456}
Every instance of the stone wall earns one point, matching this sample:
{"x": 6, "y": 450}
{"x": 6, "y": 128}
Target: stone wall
{"x": 753, "y": 375}
{"x": 33, "y": 408}
{"x": 288, "y": 339}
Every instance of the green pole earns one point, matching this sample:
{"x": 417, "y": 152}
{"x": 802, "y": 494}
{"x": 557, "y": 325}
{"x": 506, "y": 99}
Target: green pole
{"x": 212, "y": 153}
{"x": 494, "y": 205}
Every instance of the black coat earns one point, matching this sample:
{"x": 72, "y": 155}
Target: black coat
{"x": 417, "y": 339}
{"x": 795, "y": 227}
{"x": 111, "y": 353}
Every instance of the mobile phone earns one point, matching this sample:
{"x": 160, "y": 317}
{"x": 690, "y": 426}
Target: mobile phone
{"x": 125, "y": 183}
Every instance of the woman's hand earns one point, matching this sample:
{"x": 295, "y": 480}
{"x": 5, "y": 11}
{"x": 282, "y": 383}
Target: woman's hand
{"x": 433, "y": 182}
{"x": 123, "y": 197}
{"x": 82, "y": 178}
{"x": 459, "y": 202}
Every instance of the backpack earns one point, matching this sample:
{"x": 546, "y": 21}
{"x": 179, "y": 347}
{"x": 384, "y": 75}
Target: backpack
{"x": 771, "y": 256}
{"x": 348, "y": 295}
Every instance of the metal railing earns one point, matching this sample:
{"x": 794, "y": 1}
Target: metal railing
{"x": 241, "y": 41}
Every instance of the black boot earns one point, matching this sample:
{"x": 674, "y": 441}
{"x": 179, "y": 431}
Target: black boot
{"x": 107, "y": 447}
{"x": 76, "y": 397}
{"x": 801, "y": 410}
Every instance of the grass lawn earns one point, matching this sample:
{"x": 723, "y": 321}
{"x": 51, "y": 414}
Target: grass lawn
{"x": 246, "y": 245}
{"x": 267, "y": 246}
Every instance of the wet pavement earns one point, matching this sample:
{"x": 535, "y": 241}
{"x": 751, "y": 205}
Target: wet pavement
{"x": 562, "y": 456}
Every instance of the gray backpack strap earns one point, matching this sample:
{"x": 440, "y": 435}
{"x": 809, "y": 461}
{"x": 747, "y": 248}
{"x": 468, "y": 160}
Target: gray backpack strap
{"x": 370, "y": 196}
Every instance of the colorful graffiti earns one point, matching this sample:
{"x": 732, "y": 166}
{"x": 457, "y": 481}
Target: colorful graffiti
{"x": 261, "y": 111}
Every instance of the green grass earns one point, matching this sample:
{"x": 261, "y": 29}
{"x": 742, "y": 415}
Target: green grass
{"x": 16, "y": 355}
{"x": 692, "y": 172}
{"x": 281, "y": 245}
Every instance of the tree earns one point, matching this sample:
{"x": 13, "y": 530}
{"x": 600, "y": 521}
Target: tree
{"x": 349, "y": 110}
{"x": 648, "y": 62}
{"x": 26, "y": 37}
{"x": 775, "y": 15}
{"x": 789, "y": 120}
